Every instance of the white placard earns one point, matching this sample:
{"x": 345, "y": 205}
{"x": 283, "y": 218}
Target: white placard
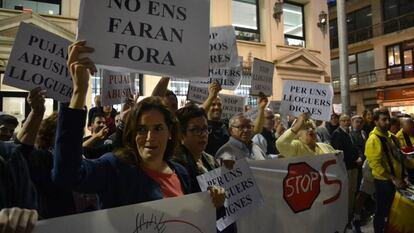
{"x": 38, "y": 58}
{"x": 197, "y": 94}
{"x": 262, "y": 77}
{"x": 301, "y": 194}
{"x": 242, "y": 193}
{"x": 116, "y": 87}
{"x": 274, "y": 105}
{"x": 229, "y": 78}
{"x": 252, "y": 113}
{"x": 337, "y": 108}
{"x": 232, "y": 104}
{"x": 223, "y": 47}
{"x": 310, "y": 97}
{"x": 188, "y": 214}
{"x": 153, "y": 37}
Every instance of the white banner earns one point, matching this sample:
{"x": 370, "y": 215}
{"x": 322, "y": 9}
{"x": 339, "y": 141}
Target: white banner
{"x": 232, "y": 104}
{"x": 193, "y": 213}
{"x": 116, "y": 87}
{"x": 153, "y": 37}
{"x": 310, "y": 97}
{"x": 229, "y": 78}
{"x": 38, "y": 58}
{"x": 302, "y": 194}
{"x": 196, "y": 93}
{"x": 223, "y": 47}
{"x": 262, "y": 77}
{"x": 337, "y": 108}
{"x": 242, "y": 193}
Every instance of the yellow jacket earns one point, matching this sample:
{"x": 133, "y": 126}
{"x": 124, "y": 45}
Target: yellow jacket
{"x": 377, "y": 159}
{"x": 401, "y": 139}
{"x": 289, "y": 146}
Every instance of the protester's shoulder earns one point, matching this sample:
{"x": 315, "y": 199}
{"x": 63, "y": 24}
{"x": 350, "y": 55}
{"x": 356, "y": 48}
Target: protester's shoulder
{"x": 7, "y": 148}
{"x": 180, "y": 169}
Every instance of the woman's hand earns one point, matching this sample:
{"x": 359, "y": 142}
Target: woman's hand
{"x": 16, "y": 220}
{"x": 80, "y": 70}
{"x": 218, "y": 195}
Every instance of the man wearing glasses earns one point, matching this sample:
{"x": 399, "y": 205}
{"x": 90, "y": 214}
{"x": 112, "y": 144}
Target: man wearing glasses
{"x": 240, "y": 144}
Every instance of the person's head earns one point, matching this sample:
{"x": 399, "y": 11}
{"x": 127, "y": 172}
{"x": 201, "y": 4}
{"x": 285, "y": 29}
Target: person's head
{"x": 269, "y": 120}
{"x": 194, "y": 127}
{"x": 97, "y": 101}
{"x": 107, "y": 109}
{"x": 277, "y": 120}
{"x": 170, "y": 99}
{"x": 45, "y": 139}
{"x": 334, "y": 120}
{"x": 216, "y": 110}
{"x": 98, "y": 122}
{"x": 357, "y": 122}
{"x": 150, "y": 133}
{"x": 307, "y": 133}
{"x": 368, "y": 115}
{"x": 8, "y": 124}
{"x": 344, "y": 121}
{"x": 381, "y": 119}
{"x": 117, "y": 119}
{"x": 241, "y": 128}
{"x": 395, "y": 125}
{"x": 407, "y": 124}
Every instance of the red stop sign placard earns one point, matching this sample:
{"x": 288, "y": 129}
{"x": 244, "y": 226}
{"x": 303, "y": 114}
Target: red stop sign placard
{"x": 301, "y": 186}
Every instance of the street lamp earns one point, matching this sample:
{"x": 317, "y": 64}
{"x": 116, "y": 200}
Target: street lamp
{"x": 277, "y": 10}
{"x": 323, "y": 21}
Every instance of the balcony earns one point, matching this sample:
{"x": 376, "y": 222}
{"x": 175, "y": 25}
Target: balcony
{"x": 378, "y": 78}
{"x": 392, "y": 25}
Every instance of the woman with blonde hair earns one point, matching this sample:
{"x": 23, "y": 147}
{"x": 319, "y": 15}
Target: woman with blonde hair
{"x": 300, "y": 140}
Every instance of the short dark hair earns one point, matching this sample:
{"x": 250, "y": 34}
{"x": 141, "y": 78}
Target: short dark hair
{"x": 185, "y": 114}
{"x": 97, "y": 114}
{"x": 8, "y": 119}
{"x": 379, "y": 112}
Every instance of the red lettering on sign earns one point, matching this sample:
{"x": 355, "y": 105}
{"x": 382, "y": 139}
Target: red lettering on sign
{"x": 331, "y": 182}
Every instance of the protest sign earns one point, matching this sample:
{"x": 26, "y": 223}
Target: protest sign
{"x": 38, "y": 58}
{"x": 197, "y": 94}
{"x": 310, "y": 190}
{"x": 192, "y": 213}
{"x": 229, "y": 78}
{"x": 309, "y": 97}
{"x": 116, "y": 87}
{"x": 275, "y": 106}
{"x": 252, "y": 113}
{"x": 242, "y": 193}
{"x": 262, "y": 77}
{"x": 153, "y": 37}
{"x": 337, "y": 108}
{"x": 223, "y": 47}
{"x": 232, "y": 104}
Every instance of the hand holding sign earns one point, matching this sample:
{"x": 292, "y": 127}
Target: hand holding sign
{"x": 80, "y": 69}
{"x": 299, "y": 123}
{"x": 36, "y": 100}
{"x": 263, "y": 101}
{"x": 218, "y": 195}
{"x": 213, "y": 89}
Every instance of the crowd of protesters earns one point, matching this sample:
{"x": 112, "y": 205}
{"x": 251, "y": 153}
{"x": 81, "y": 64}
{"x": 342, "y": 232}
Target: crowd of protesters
{"x": 153, "y": 150}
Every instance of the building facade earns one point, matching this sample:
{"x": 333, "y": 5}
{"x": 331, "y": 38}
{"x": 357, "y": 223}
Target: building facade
{"x": 292, "y": 34}
{"x": 381, "y": 49}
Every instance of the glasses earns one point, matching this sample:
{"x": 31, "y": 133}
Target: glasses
{"x": 243, "y": 127}
{"x": 198, "y": 131}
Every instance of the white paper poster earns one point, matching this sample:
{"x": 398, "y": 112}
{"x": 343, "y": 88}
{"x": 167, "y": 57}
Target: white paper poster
{"x": 310, "y": 97}
{"x": 232, "y": 104}
{"x": 274, "y": 105}
{"x": 197, "y": 94}
{"x": 223, "y": 47}
{"x": 38, "y": 59}
{"x": 252, "y": 113}
{"x": 302, "y": 194}
{"x": 337, "y": 108}
{"x": 242, "y": 193}
{"x": 160, "y": 37}
{"x": 229, "y": 78}
{"x": 193, "y": 213}
{"x": 116, "y": 87}
{"x": 262, "y": 77}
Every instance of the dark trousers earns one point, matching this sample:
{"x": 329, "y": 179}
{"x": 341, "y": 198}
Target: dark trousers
{"x": 384, "y": 191}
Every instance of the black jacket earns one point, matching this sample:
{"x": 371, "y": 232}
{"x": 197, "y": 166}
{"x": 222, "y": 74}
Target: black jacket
{"x": 342, "y": 141}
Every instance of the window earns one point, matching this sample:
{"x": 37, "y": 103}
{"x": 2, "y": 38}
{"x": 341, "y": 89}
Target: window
{"x": 333, "y": 33}
{"x": 246, "y": 19}
{"x": 398, "y": 15}
{"x": 293, "y": 24}
{"x": 51, "y": 7}
{"x": 244, "y": 88}
{"x": 400, "y": 60}
{"x": 360, "y": 66}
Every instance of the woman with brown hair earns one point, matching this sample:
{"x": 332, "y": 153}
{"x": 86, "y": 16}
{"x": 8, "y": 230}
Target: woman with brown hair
{"x": 141, "y": 170}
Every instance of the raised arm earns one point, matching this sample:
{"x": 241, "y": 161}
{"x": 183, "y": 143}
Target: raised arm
{"x": 36, "y": 100}
{"x": 259, "y": 122}
{"x": 213, "y": 89}
{"x": 161, "y": 87}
